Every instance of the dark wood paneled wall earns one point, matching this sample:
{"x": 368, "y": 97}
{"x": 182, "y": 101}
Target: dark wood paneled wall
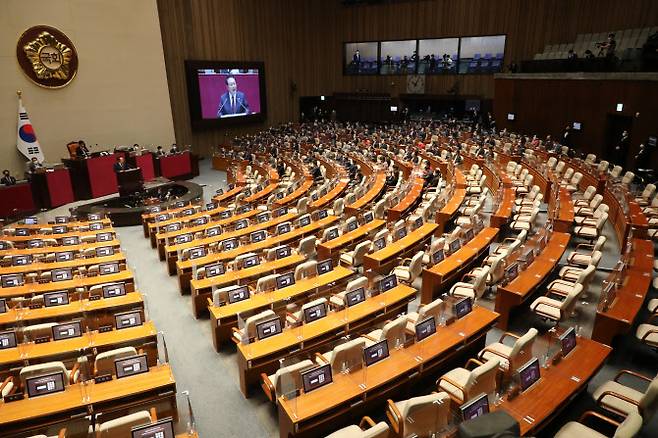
{"x": 546, "y": 106}
{"x": 301, "y": 41}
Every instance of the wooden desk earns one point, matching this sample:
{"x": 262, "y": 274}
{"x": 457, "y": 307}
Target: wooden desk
{"x": 522, "y": 287}
{"x": 372, "y": 194}
{"x": 295, "y": 195}
{"x": 157, "y": 385}
{"x": 35, "y": 353}
{"x": 228, "y": 195}
{"x": 224, "y": 318}
{"x": 332, "y": 248}
{"x": 409, "y": 201}
{"x": 202, "y": 289}
{"x": 75, "y": 263}
{"x": 76, "y": 224}
{"x": 74, "y": 309}
{"x": 30, "y": 289}
{"x": 565, "y": 214}
{"x": 149, "y": 218}
{"x": 171, "y": 251}
{"x": 60, "y": 248}
{"x": 263, "y": 194}
{"x": 263, "y": 356}
{"x": 348, "y": 396}
{"x": 441, "y": 276}
{"x": 382, "y": 261}
{"x": 184, "y": 268}
{"x": 558, "y": 386}
{"x": 331, "y": 195}
{"x": 630, "y": 297}
{"x": 448, "y": 212}
{"x": 58, "y": 237}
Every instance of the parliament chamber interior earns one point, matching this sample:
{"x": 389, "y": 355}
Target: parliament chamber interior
{"x": 329, "y": 218}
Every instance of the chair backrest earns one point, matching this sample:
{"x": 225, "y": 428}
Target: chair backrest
{"x": 347, "y": 356}
{"x": 306, "y": 270}
{"x": 360, "y": 251}
{"x": 357, "y": 283}
{"x": 648, "y": 191}
{"x": 616, "y": 171}
{"x": 220, "y": 295}
{"x": 266, "y": 283}
{"x": 630, "y": 427}
{"x": 598, "y": 245}
{"x": 123, "y": 425}
{"x": 250, "y": 323}
{"x": 601, "y": 220}
{"x": 480, "y": 283}
{"x": 596, "y": 258}
{"x": 302, "y": 205}
{"x": 436, "y": 245}
{"x": 570, "y": 301}
{"x": 483, "y": 379}
{"x": 522, "y": 349}
{"x": 552, "y": 161}
{"x": 497, "y": 268}
{"x": 104, "y": 362}
{"x": 348, "y": 222}
{"x": 307, "y": 246}
{"x": 596, "y": 201}
{"x": 327, "y": 231}
{"x": 603, "y": 166}
{"x": 589, "y": 193}
{"x": 431, "y": 309}
{"x": 339, "y": 206}
{"x": 416, "y": 265}
{"x": 380, "y": 209}
{"x": 42, "y": 369}
{"x": 568, "y": 174}
{"x": 289, "y": 378}
{"x": 393, "y": 331}
{"x": 34, "y": 331}
{"x": 428, "y": 412}
{"x": 649, "y": 402}
{"x": 628, "y": 178}
{"x": 576, "y": 178}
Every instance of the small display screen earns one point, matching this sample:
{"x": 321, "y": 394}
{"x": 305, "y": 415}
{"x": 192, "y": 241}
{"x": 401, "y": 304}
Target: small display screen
{"x": 94, "y": 217}
{"x": 283, "y": 252}
{"x": 475, "y": 408}
{"x": 388, "y": 283}
{"x": 282, "y": 211}
{"x": 250, "y": 261}
{"x": 71, "y": 240}
{"x": 229, "y": 244}
{"x": 355, "y": 297}
{"x": 511, "y": 272}
{"x": 268, "y": 328}
{"x": 469, "y": 234}
{"x": 400, "y": 233}
{"x": 231, "y": 186}
{"x": 285, "y": 280}
{"x": 280, "y": 195}
{"x": 425, "y": 328}
{"x": 187, "y": 212}
{"x": 43, "y": 385}
{"x": 108, "y": 268}
{"x": 22, "y": 232}
{"x": 106, "y": 237}
{"x": 314, "y": 313}
{"x": 240, "y": 294}
{"x": 12, "y": 280}
{"x": 214, "y": 270}
{"x": 368, "y": 217}
{"x": 322, "y": 214}
{"x": 3, "y": 305}
{"x": 36, "y": 243}
{"x": 316, "y": 378}
{"x": 568, "y": 341}
{"x": 52, "y": 299}
{"x": 114, "y": 290}
{"x": 64, "y": 256}
{"x": 104, "y": 251}
{"x": 127, "y": 319}
{"x": 529, "y": 374}
{"x": 211, "y": 205}
{"x": 418, "y": 223}
{"x": 161, "y": 429}
{"x": 60, "y": 229}
{"x": 67, "y": 331}
{"x": 21, "y": 260}
{"x": 462, "y": 307}
{"x": 61, "y": 219}
{"x": 351, "y": 226}
{"x": 258, "y": 236}
{"x": 95, "y": 226}
{"x": 162, "y": 217}
{"x": 213, "y": 231}
{"x": 7, "y": 339}
{"x": 454, "y": 246}
{"x": 198, "y": 252}
{"x": 263, "y": 217}
{"x": 438, "y": 256}
{"x": 220, "y": 191}
{"x": 332, "y": 234}
{"x": 225, "y": 214}
{"x": 176, "y": 226}
{"x": 179, "y": 204}
{"x": 130, "y": 366}
{"x": 183, "y": 238}
{"x": 380, "y": 243}
{"x": 245, "y": 208}
{"x": 283, "y": 228}
{"x": 242, "y": 223}
{"x": 325, "y": 266}
{"x": 304, "y": 220}
{"x": 375, "y": 352}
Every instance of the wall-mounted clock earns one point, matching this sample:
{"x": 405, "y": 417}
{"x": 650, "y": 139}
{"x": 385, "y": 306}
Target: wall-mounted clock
{"x": 416, "y": 84}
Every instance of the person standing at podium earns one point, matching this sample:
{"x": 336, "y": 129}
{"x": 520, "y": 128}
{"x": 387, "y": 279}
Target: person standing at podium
{"x": 121, "y": 164}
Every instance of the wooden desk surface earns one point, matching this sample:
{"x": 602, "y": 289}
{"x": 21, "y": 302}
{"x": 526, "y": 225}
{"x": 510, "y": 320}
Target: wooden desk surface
{"x": 325, "y": 249}
{"x": 60, "y": 248}
{"x": 331, "y": 195}
{"x": 292, "y": 197}
{"x": 27, "y": 315}
{"x": 80, "y": 234}
{"x": 379, "y": 258}
{"x": 150, "y": 216}
{"x": 409, "y": 199}
{"x": 39, "y": 288}
{"x": 165, "y": 236}
{"x": 228, "y": 195}
{"x": 359, "y": 386}
{"x": 263, "y": 193}
{"x": 27, "y": 352}
{"x": 158, "y": 378}
{"x": 434, "y": 277}
{"x": 106, "y": 222}
{"x": 374, "y": 191}
{"x": 557, "y": 386}
{"x": 75, "y": 263}
{"x": 185, "y": 219}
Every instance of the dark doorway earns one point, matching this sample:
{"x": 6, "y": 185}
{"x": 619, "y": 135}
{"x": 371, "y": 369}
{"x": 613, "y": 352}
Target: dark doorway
{"x": 616, "y": 124}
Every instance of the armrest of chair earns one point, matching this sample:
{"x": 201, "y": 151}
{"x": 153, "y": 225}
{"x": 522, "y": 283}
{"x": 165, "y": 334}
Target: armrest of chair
{"x": 468, "y": 275}
{"x": 601, "y": 417}
{"x": 154, "y": 415}
{"x": 370, "y": 338}
{"x": 267, "y": 386}
{"x": 75, "y": 368}
{"x": 6, "y": 382}
{"x": 631, "y": 373}
{"x": 321, "y": 357}
{"x": 62, "y": 433}
{"x": 486, "y": 349}
{"x": 394, "y": 416}
{"x": 476, "y": 362}
{"x": 366, "y": 423}
{"x": 506, "y": 334}
{"x": 453, "y": 383}
{"x": 585, "y": 246}
{"x": 617, "y": 395}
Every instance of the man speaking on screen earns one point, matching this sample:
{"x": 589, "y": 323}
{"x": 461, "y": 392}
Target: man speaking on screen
{"x": 233, "y": 101}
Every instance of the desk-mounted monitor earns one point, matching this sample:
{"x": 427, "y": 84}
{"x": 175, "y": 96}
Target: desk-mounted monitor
{"x": 475, "y": 407}
{"x": 316, "y": 378}
{"x": 161, "y": 429}
{"x": 355, "y": 297}
{"x": 388, "y": 283}
{"x": 268, "y": 328}
{"x": 130, "y": 366}
{"x": 425, "y": 328}
{"x": 46, "y": 384}
{"x": 375, "y": 352}
{"x": 325, "y": 266}
{"x": 239, "y": 294}
{"x": 67, "y": 330}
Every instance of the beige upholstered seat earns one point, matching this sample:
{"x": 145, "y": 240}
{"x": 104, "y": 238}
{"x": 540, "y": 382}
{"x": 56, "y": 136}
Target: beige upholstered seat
{"x": 367, "y": 429}
{"x": 355, "y": 257}
{"x": 591, "y": 232}
{"x": 286, "y": 379}
{"x": 43, "y": 330}
{"x": 220, "y": 295}
{"x": 557, "y": 310}
{"x": 629, "y": 428}
{"x": 623, "y": 400}
{"x": 267, "y": 283}
{"x": 463, "y": 384}
{"x": 475, "y": 288}
{"x": 122, "y": 426}
{"x": 249, "y": 328}
{"x": 408, "y": 273}
{"x": 393, "y": 331}
{"x": 582, "y": 256}
{"x": 338, "y": 300}
{"x": 104, "y": 362}
{"x": 511, "y": 357}
{"x": 306, "y": 270}
{"x": 425, "y": 311}
{"x": 344, "y": 357}
{"x": 307, "y": 247}
{"x": 419, "y": 415}
{"x": 648, "y": 333}
{"x": 42, "y": 369}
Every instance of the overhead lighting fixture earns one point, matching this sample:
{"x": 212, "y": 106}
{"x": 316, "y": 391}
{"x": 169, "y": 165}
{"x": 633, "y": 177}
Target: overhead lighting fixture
{"x": 620, "y": 107}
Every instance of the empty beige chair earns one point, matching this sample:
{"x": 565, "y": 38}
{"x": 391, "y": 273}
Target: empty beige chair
{"x": 220, "y": 295}
{"x": 237, "y": 261}
{"x": 496, "y": 269}
{"x": 463, "y": 384}
{"x": 355, "y": 258}
{"x": 249, "y": 329}
{"x": 393, "y": 332}
{"x": 43, "y": 369}
{"x": 629, "y": 428}
{"x": 366, "y": 429}
{"x": 646, "y": 195}
{"x": 35, "y": 331}
{"x": 554, "y": 309}
{"x": 588, "y": 194}
{"x": 572, "y": 185}
{"x": 328, "y": 231}
{"x": 419, "y": 416}
{"x": 338, "y": 207}
{"x": 628, "y": 178}
{"x": 436, "y": 245}
{"x": 587, "y": 219}
{"x": 410, "y": 268}
{"x": 525, "y": 222}
{"x": 267, "y": 283}
{"x": 104, "y": 362}
{"x": 120, "y": 427}
{"x": 345, "y": 357}
{"x": 338, "y": 300}
{"x": 298, "y": 316}
{"x": 473, "y": 289}
{"x": 582, "y": 256}
{"x": 648, "y": 332}
{"x": 591, "y": 232}
{"x": 307, "y": 247}
{"x": 587, "y": 208}
{"x": 380, "y": 209}
{"x": 286, "y": 379}
{"x": 571, "y": 273}
{"x": 603, "y": 166}
{"x": 623, "y": 400}
{"x": 563, "y": 287}
{"x": 616, "y": 171}
{"x": 306, "y": 270}
{"x": 511, "y": 357}
{"x": 433, "y": 309}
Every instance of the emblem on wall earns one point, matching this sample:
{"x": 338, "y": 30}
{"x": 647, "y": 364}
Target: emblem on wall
{"x": 47, "y": 56}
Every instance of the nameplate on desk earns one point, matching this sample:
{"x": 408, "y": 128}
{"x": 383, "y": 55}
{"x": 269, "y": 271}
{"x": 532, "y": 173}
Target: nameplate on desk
{"x": 14, "y": 397}
{"x": 94, "y": 297}
{"x": 42, "y": 340}
{"x": 105, "y": 329}
{"x": 35, "y": 306}
{"x": 103, "y": 378}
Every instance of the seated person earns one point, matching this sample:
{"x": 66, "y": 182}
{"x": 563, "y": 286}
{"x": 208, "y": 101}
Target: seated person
{"x": 34, "y": 165}
{"x": 392, "y": 177}
{"x": 174, "y": 149}
{"x": 83, "y": 152}
{"x": 7, "y": 179}
{"x": 159, "y": 152}
{"x": 121, "y": 164}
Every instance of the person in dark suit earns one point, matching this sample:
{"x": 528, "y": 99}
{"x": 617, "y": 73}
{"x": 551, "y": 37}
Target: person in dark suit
{"x": 7, "y": 179}
{"x": 159, "y": 152}
{"x": 174, "y": 149}
{"x": 121, "y": 164}
{"x": 233, "y": 101}
{"x": 83, "y": 151}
